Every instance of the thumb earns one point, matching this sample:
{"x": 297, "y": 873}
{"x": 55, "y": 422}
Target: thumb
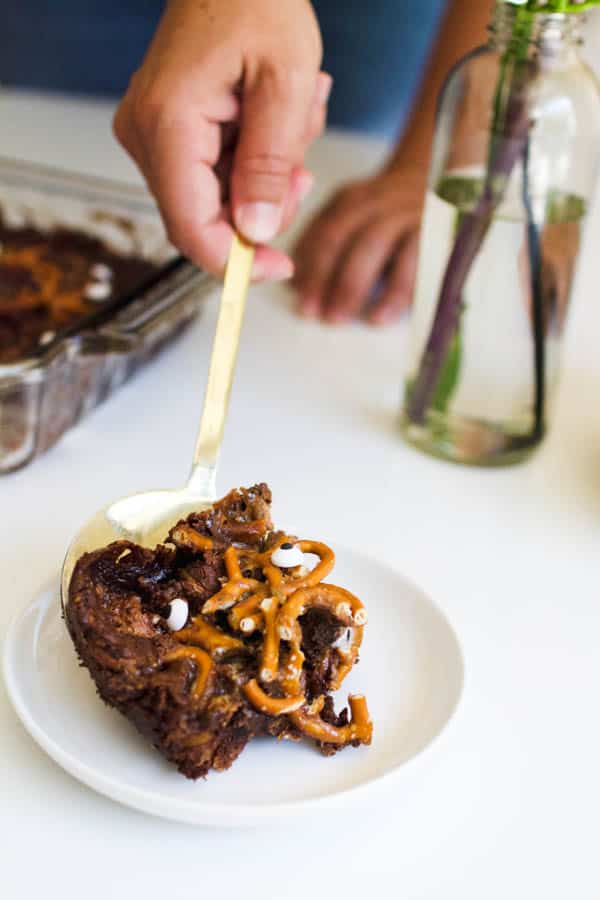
{"x": 275, "y": 110}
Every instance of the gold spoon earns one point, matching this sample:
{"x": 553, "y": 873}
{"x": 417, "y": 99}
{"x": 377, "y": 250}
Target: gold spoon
{"x": 146, "y": 518}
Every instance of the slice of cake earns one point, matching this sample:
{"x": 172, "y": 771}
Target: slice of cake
{"x": 220, "y": 634}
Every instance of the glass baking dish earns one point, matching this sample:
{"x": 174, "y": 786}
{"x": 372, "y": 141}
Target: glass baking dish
{"x": 45, "y": 393}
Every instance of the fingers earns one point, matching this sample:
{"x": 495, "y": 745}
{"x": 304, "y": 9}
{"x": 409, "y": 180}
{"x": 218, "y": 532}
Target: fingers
{"x": 189, "y": 170}
{"x": 322, "y": 246}
{"x": 302, "y": 183}
{"x": 180, "y": 173}
{"x": 359, "y": 255}
{"x": 358, "y": 272}
{"x": 397, "y": 292}
{"x": 277, "y": 105}
{"x": 318, "y": 111}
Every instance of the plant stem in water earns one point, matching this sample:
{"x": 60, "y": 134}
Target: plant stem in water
{"x": 509, "y": 146}
{"x": 537, "y": 291}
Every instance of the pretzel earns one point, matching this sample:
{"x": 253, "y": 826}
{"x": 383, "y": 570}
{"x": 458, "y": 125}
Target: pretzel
{"x": 233, "y": 589}
{"x": 341, "y": 603}
{"x": 211, "y": 639}
{"x": 348, "y": 658}
{"x": 311, "y": 579}
{"x": 271, "y": 706}
{"x": 248, "y": 609}
{"x": 360, "y": 727}
{"x": 203, "y": 666}
{"x": 185, "y": 536}
{"x": 274, "y": 607}
{"x": 269, "y": 669}
{"x": 291, "y": 673}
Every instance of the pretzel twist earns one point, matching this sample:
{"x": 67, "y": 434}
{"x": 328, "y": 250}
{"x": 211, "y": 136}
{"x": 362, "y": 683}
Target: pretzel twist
{"x": 274, "y": 607}
{"x": 186, "y": 536}
{"x": 271, "y": 706}
{"x": 234, "y": 589}
{"x": 360, "y": 727}
{"x": 208, "y": 637}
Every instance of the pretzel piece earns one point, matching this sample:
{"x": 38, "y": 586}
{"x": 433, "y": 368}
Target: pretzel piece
{"x": 208, "y": 637}
{"x": 248, "y": 607}
{"x": 188, "y": 537}
{"x": 203, "y": 666}
{"x": 269, "y": 669}
{"x": 312, "y": 578}
{"x": 348, "y": 658}
{"x": 360, "y": 727}
{"x": 234, "y": 589}
{"x": 291, "y": 672}
{"x": 341, "y": 603}
{"x": 271, "y": 706}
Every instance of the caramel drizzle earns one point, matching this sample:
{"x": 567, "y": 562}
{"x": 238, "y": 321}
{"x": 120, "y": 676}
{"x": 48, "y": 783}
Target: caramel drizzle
{"x": 274, "y": 607}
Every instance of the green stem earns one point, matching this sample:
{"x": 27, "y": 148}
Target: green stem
{"x": 508, "y": 139}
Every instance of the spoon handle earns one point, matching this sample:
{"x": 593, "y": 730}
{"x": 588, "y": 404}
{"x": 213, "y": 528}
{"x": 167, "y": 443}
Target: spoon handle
{"x": 222, "y": 367}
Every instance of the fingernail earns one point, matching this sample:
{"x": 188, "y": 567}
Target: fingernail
{"x": 324, "y": 88}
{"x": 306, "y": 183}
{"x": 259, "y": 222}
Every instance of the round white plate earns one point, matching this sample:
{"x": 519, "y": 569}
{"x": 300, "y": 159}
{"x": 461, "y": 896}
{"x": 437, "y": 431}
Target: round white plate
{"x": 411, "y": 671}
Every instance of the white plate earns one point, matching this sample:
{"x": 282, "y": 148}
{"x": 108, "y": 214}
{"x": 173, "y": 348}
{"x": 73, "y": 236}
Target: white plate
{"x": 411, "y": 671}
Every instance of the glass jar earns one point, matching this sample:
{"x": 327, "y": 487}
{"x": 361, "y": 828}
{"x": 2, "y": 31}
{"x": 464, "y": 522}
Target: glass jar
{"x": 514, "y": 163}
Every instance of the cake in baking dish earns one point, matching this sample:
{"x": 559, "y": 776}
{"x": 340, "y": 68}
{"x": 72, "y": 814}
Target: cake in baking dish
{"x": 50, "y": 279}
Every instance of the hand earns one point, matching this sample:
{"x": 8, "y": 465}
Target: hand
{"x": 219, "y": 117}
{"x": 358, "y": 257}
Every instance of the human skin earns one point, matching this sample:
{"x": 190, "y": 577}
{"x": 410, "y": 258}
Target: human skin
{"x": 219, "y": 118}
{"x": 358, "y": 256}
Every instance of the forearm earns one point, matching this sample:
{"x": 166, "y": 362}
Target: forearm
{"x": 463, "y": 28}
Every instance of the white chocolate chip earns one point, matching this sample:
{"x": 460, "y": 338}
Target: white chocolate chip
{"x": 97, "y": 291}
{"x": 101, "y": 272}
{"x": 343, "y": 610}
{"x": 178, "y": 615}
{"x": 46, "y": 338}
{"x": 247, "y": 625}
{"x": 361, "y": 617}
{"x": 266, "y": 675}
{"x": 266, "y": 604}
{"x": 287, "y": 556}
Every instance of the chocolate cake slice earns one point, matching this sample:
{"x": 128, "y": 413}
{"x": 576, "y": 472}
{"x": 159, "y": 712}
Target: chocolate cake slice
{"x": 220, "y": 634}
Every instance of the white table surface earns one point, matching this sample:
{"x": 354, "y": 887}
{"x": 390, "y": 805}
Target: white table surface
{"x": 506, "y": 804}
